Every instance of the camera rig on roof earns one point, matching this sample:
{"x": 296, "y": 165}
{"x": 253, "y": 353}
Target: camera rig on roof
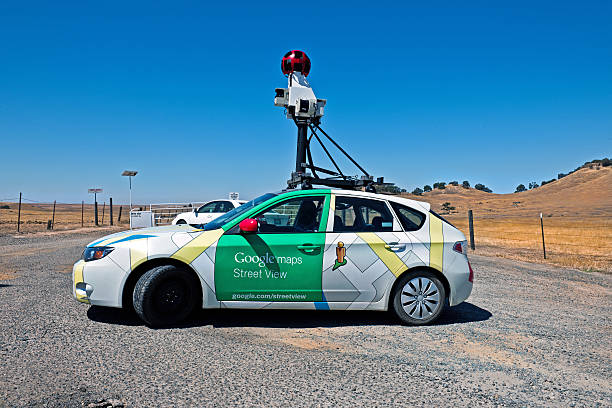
{"x": 306, "y": 110}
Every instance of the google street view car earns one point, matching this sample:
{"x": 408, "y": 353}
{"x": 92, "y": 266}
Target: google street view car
{"x": 333, "y": 250}
{"x": 342, "y": 247}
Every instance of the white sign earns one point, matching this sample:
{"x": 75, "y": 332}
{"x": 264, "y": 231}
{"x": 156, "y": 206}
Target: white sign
{"x": 141, "y": 219}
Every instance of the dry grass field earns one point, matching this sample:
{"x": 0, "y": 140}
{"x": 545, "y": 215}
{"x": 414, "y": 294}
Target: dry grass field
{"x": 577, "y": 218}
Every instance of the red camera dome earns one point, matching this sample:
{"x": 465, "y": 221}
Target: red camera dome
{"x": 296, "y": 61}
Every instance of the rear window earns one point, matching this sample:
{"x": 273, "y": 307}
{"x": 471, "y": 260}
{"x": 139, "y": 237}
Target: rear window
{"x": 410, "y": 218}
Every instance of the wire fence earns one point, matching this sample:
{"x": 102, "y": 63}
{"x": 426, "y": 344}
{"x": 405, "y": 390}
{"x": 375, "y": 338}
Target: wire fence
{"x": 578, "y": 242}
{"x": 23, "y": 214}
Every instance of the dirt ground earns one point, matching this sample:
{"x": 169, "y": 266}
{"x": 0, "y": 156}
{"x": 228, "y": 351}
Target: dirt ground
{"x": 530, "y": 335}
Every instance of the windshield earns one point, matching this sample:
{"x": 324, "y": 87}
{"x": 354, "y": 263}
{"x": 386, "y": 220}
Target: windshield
{"x": 236, "y": 212}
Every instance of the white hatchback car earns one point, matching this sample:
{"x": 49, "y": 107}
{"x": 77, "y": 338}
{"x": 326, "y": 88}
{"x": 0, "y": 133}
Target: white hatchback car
{"x": 207, "y": 212}
{"x": 299, "y": 249}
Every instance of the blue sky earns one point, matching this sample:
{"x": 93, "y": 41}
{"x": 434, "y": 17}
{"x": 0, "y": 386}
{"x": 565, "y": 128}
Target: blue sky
{"x": 183, "y": 92}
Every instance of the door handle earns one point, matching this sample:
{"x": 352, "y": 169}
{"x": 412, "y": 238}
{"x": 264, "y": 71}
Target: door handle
{"x": 395, "y": 246}
{"x": 308, "y": 247}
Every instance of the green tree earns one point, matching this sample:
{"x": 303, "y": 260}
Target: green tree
{"x": 417, "y": 191}
{"x": 447, "y": 207}
{"x": 427, "y": 188}
{"x": 520, "y": 187}
{"x": 465, "y": 184}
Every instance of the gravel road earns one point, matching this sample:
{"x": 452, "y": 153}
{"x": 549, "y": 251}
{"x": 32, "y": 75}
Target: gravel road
{"x": 530, "y": 335}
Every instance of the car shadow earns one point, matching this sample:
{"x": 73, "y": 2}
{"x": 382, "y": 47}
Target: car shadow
{"x": 5, "y": 285}
{"x": 293, "y": 319}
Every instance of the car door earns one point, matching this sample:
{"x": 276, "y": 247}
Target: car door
{"x": 282, "y": 261}
{"x": 363, "y": 251}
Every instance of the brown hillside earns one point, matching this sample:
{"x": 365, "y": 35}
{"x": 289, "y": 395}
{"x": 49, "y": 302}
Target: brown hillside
{"x": 586, "y": 192}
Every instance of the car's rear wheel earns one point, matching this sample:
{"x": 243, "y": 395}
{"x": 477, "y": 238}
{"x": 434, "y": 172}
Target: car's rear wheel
{"x": 166, "y": 295}
{"x": 180, "y": 222}
{"x": 419, "y": 297}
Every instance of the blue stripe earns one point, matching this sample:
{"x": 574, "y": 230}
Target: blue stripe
{"x": 322, "y": 305}
{"x": 125, "y": 239}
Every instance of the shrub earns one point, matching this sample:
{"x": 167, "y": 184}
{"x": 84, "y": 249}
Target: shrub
{"x": 561, "y": 175}
{"x": 417, "y": 191}
{"x": 520, "y": 187}
{"x": 533, "y": 184}
{"x": 447, "y": 207}
{"x": 453, "y": 183}
{"x": 465, "y": 184}
{"x": 482, "y": 187}
{"x": 5, "y": 207}
{"x": 427, "y": 188}
{"x": 547, "y": 182}
{"x": 440, "y": 185}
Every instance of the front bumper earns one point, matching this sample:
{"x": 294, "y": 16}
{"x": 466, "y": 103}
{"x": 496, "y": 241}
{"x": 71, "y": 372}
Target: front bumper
{"x": 98, "y": 282}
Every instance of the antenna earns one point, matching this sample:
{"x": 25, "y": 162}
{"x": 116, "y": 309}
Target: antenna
{"x": 306, "y": 111}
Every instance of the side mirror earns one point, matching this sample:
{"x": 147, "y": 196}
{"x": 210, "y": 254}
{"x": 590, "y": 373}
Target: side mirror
{"x": 248, "y": 225}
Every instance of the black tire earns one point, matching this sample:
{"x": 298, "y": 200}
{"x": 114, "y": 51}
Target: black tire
{"x": 166, "y": 295}
{"x": 421, "y": 307}
{"x": 181, "y": 222}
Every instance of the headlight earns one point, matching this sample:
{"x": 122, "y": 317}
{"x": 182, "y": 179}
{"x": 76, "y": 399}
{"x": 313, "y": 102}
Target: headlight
{"x": 93, "y": 253}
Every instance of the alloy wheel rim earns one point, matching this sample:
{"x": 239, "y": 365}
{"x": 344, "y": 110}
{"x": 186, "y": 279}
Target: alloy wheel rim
{"x": 420, "y": 298}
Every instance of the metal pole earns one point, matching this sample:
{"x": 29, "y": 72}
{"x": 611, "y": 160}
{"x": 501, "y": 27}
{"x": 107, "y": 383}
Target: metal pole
{"x": 82, "y": 213}
{"x": 471, "y": 222}
{"x": 96, "y": 208}
{"x": 19, "y": 214}
{"x": 302, "y": 142}
{"x": 119, "y": 218}
{"x": 111, "y": 210}
{"x": 130, "y": 193}
{"x": 543, "y": 244}
{"x": 53, "y": 218}
{"x": 103, "y": 207}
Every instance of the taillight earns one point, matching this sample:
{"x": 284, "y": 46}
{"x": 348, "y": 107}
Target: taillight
{"x": 460, "y": 247}
{"x": 471, "y": 277}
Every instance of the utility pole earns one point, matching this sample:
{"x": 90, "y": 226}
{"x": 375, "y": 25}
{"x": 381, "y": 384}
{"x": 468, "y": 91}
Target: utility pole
{"x": 95, "y": 192}
{"x": 543, "y": 244}
{"x": 19, "y": 214}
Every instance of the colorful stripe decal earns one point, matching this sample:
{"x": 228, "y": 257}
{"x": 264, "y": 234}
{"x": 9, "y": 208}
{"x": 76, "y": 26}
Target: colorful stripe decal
{"x": 436, "y": 239}
{"x": 138, "y": 253}
{"x": 389, "y": 258}
{"x": 78, "y": 278}
{"x": 196, "y": 246}
{"x": 131, "y": 237}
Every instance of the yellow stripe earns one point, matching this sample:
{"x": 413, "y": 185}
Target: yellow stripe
{"x": 78, "y": 278}
{"x": 138, "y": 252}
{"x": 196, "y": 246}
{"x": 389, "y": 258}
{"x": 436, "y": 239}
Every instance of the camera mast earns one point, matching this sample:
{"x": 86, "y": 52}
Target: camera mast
{"x": 306, "y": 111}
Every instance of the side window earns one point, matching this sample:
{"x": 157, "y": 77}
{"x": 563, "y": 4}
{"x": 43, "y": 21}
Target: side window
{"x": 302, "y": 214}
{"x": 354, "y": 214}
{"x": 225, "y": 206}
{"x": 411, "y": 219}
{"x": 208, "y": 208}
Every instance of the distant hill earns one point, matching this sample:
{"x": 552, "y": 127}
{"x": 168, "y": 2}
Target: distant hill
{"x": 585, "y": 192}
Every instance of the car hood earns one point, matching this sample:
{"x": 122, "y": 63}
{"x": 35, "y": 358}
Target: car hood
{"x": 141, "y": 233}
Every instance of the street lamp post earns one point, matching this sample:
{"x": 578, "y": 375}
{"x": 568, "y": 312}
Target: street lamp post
{"x": 130, "y": 174}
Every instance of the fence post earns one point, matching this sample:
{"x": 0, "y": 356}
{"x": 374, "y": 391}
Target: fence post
{"x": 103, "y": 207}
{"x": 53, "y": 218}
{"x": 471, "y": 222}
{"x": 96, "y": 211}
{"x": 543, "y": 244}
{"x": 19, "y": 213}
{"x": 111, "y": 210}
{"x": 82, "y": 213}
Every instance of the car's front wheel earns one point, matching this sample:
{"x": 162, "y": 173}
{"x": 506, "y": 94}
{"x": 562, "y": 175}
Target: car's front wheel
{"x": 419, "y": 297}
{"x": 181, "y": 222}
{"x": 166, "y": 295}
